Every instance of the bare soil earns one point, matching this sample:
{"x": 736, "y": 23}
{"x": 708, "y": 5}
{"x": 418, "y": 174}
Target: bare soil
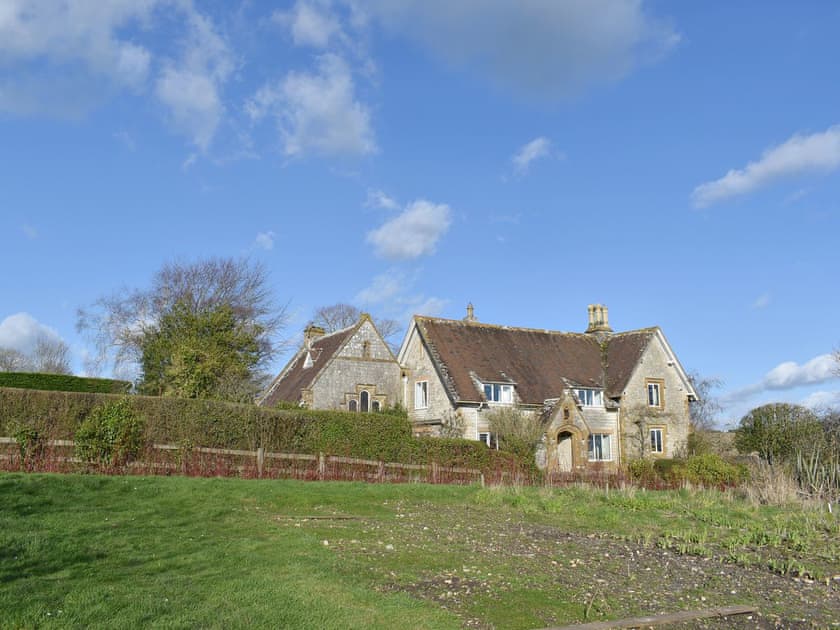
{"x": 477, "y": 563}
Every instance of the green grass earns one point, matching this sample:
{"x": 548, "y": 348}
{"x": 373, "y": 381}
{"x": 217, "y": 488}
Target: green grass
{"x": 88, "y": 551}
{"x": 128, "y": 552}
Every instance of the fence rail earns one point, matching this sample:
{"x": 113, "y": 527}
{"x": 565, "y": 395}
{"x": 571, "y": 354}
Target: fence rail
{"x": 321, "y": 466}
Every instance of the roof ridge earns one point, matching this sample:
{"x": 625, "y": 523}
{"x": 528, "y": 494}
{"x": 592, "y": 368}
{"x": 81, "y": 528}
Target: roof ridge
{"x": 336, "y": 332}
{"x": 445, "y": 320}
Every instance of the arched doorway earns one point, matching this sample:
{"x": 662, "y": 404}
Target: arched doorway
{"x": 565, "y": 457}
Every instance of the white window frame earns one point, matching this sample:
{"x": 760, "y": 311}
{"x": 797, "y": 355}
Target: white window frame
{"x": 654, "y": 386}
{"x": 421, "y": 395}
{"x": 489, "y": 439}
{"x": 657, "y": 445}
{"x": 602, "y": 439}
{"x": 590, "y": 396}
{"x": 504, "y": 391}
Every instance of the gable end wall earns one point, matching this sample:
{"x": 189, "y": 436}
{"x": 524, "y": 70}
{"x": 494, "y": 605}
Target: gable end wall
{"x": 654, "y": 365}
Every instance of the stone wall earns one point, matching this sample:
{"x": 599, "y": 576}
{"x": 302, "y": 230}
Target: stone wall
{"x": 418, "y": 367}
{"x": 636, "y": 413}
{"x": 364, "y": 363}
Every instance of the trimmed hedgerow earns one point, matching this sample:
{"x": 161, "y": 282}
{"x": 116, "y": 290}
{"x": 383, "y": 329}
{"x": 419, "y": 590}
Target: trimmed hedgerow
{"x": 111, "y": 435}
{"x": 63, "y": 383}
{"x": 378, "y": 436}
{"x": 707, "y": 470}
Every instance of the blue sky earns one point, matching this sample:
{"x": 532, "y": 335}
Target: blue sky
{"x": 677, "y": 162}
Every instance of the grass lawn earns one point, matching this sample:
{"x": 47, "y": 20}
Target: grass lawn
{"x": 85, "y": 550}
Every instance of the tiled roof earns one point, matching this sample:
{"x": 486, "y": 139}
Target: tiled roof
{"x": 295, "y": 376}
{"x": 541, "y": 363}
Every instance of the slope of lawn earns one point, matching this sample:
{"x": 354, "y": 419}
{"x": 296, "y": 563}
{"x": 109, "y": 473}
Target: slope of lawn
{"x": 85, "y": 550}
{"x": 127, "y": 552}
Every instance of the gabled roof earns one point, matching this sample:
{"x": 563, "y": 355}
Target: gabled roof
{"x": 298, "y": 374}
{"x": 541, "y": 363}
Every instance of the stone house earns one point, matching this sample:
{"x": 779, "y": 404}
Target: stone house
{"x": 352, "y": 369}
{"x": 605, "y": 397}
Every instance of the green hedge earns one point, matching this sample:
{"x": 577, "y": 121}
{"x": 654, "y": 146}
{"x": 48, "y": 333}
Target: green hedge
{"x": 190, "y": 422}
{"x": 63, "y": 383}
{"x": 708, "y": 470}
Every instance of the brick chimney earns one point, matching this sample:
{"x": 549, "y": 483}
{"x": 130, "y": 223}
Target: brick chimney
{"x": 598, "y": 319}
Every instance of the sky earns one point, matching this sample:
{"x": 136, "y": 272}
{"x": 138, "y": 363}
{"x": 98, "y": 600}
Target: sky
{"x": 677, "y": 162}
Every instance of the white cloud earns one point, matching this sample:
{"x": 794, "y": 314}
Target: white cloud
{"x": 822, "y": 400}
{"x": 77, "y": 31}
{"x": 534, "y": 150}
{"x": 378, "y": 199}
{"x": 317, "y": 113}
{"x": 194, "y": 102}
{"x": 22, "y": 331}
{"x": 62, "y": 51}
{"x": 800, "y": 154}
{"x": 384, "y": 288}
{"x": 431, "y": 306}
{"x": 543, "y": 48}
{"x": 191, "y": 87}
{"x": 265, "y": 240}
{"x": 787, "y": 375}
{"x": 413, "y": 233}
{"x": 392, "y": 292}
{"x": 309, "y": 24}
{"x": 762, "y": 301}
{"x": 790, "y": 374}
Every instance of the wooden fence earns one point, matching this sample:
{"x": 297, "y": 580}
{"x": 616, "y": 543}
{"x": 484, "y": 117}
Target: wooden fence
{"x": 57, "y": 456}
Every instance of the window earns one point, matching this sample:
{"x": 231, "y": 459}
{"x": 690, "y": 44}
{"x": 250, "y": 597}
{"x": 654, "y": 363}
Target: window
{"x": 352, "y": 406}
{"x": 421, "y": 394}
{"x": 654, "y": 393}
{"x": 590, "y": 397}
{"x": 498, "y": 392}
{"x": 366, "y": 349}
{"x": 657, "y": 443}
{"x": 599, "y": 447}
{"x": 489, "y": 439}
{"x": 364, "y": 401}
{"x": 375, "y": 405}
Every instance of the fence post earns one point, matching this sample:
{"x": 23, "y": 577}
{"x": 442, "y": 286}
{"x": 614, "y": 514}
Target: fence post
{"x": 482, "y": 480}
{"x": 260, "y": 460}
{"x": 434, "y": 472}
{"x": 322, "y": 466}
{"x": 381, "y": 471}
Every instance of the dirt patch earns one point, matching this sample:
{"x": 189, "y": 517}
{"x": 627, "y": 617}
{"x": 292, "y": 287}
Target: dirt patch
{"x": 476, "y": 563}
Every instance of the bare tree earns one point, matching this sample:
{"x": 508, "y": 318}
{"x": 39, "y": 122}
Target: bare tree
{"x": 51, "y": 355}
{"x": 338, "y": 316}
{"x": 120, "y": 323}
{"x": 836, "y": 355}
{"x": 12, "y": 360}
{"x": 517, "y": 431}
{"x": 704, "y": 411}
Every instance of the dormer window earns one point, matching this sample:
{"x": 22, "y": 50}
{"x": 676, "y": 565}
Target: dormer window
{"x": 498, "y": 392}
{"x": 589, "y": 397}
